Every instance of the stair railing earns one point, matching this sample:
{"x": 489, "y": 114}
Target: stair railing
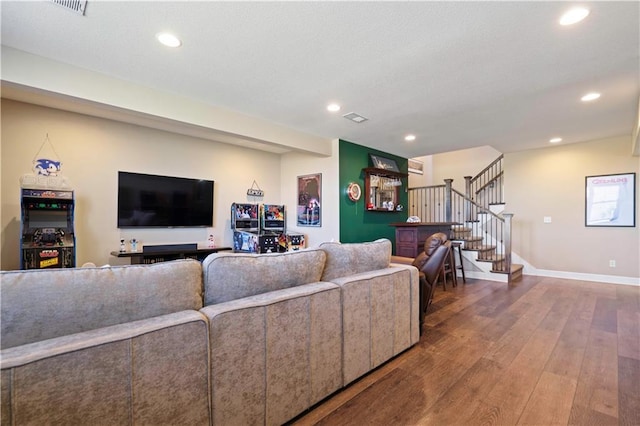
{"x": 489, "y": 231}
{"x": 487, "y": 187}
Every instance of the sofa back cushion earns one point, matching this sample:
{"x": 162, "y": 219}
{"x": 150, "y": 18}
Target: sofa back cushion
{"x": 43, "y": 304}
{"x": 231, "y": 276}
{"x": 353, "y": 258}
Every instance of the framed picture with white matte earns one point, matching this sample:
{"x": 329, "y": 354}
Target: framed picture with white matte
{"x": 610, "y": 200}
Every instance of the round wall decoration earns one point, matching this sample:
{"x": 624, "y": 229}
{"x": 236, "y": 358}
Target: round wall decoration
{"x": 354, "y": 191}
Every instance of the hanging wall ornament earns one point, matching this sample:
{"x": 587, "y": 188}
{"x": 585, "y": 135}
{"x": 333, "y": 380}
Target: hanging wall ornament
{"x": 46, "y": 170}
{"x": 47, "y": 166}
{"x": 255, "y": 190}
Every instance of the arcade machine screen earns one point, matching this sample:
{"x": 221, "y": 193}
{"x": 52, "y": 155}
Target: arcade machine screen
{"x": 273, "y": 217}
{"x": 244, "y": 217}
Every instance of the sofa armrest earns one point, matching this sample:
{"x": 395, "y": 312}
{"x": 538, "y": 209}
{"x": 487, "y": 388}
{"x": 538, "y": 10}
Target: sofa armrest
{"x": 275, "y": 354}
{"x": 380, "y": 317}
{"x": 31, "y": 352}
{"x": 142, "y": 372}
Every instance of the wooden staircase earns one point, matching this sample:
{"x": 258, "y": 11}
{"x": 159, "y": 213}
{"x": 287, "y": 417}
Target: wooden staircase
{"x": 472, "y": 240}
{"x": 484, "y": 252}
{"x": 485, "y": 230}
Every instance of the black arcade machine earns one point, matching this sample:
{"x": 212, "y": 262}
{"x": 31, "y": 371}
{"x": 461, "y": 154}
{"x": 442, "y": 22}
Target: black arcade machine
{"x": 47, "y": 238}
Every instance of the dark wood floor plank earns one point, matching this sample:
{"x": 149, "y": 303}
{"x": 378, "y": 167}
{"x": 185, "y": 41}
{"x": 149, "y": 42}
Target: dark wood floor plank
{"x": 460, "y": 401}
{"x": 597, "y": 389}
{"x": 628, "y": 391}
{"x": 605, "y": 315}
{"x": 592, "y": 418}
{"x": 566, "y": 358}
{"x": 628, "y": 298}
{"x": 550, "y": 402}
{"x": 513, "y": 389}
{"x": 509, "y": 346}
{"x": 455, "y": 305}
{"x": 545, "y": 351}
{"x": 628, "y": 333}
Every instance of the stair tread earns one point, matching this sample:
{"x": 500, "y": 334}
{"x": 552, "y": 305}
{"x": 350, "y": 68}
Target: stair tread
{"x": 480, "y": 248}
{"x": 515, "y": 268}
{"x": 493, "y": 257}
{"x": 490, "y": 260}
{"x": 469, "y": 240}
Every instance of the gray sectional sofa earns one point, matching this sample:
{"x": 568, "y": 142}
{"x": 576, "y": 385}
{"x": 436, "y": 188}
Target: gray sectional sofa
{"x": 241, "y": 339}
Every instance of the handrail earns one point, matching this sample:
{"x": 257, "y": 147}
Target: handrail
{"x": 480, "y": 207}
{"x": 486, "y": 187}
{"x": 486, "y": 169}
{"x": 493, "y": 179}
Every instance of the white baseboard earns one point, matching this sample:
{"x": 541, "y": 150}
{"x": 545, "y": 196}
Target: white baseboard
{"x": 611, "y": 279}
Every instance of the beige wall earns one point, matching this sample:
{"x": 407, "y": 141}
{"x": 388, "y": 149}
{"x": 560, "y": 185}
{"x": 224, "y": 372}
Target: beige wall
{"x": 296, "y": 164}
{"x": 453, "y": 165}
{"x": 93, "y": 150}
{"x": 551, "y": 182}
{"x": 544, "y": 182}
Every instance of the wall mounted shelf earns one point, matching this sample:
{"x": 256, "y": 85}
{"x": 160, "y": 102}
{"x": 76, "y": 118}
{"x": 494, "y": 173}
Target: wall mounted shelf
{"x": 382, "y": 189}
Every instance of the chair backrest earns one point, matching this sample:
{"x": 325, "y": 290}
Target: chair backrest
{"x": 433, "y": 265}
{"x": 431, "y": 243}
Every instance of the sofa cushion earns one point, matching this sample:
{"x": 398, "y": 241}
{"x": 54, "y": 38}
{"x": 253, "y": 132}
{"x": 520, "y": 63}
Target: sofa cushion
{"x": 44, "y": 304}
{"x": 231, "y": 276}
{"x": 355, "y": 258}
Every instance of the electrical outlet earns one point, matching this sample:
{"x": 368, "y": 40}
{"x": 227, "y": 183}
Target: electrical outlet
{"x": 547, "y": 219}
{"x": 612, "y": 264}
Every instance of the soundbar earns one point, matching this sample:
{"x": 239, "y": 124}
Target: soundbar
{"x": 169, "y": 248}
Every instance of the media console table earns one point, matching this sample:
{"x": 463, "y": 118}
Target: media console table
{"x": 410, "y": 236}
{"x": 164, "y": 255}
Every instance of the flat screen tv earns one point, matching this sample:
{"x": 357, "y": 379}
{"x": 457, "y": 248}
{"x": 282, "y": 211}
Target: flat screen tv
{"x": 152, "y": 201}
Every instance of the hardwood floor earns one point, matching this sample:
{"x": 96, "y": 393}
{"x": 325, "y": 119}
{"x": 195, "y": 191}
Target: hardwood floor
{"x": 543, "y": 351}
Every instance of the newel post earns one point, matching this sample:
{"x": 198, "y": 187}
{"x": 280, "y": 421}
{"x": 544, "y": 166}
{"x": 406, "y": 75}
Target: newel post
{"x": 467, "y": 202}
{"x": 447, "y": 200}
{"x": 507, "y": 242}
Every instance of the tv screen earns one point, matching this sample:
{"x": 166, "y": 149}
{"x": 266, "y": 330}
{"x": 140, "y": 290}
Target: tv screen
{"x": 149, "y": 201}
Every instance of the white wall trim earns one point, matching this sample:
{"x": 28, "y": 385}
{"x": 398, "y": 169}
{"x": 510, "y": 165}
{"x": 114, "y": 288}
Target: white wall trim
{"x": 610, "y": 279}
{"x": 579, "y": 276}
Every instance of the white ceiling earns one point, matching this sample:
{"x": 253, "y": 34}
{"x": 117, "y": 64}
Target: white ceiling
{"x": 455, "y": 74}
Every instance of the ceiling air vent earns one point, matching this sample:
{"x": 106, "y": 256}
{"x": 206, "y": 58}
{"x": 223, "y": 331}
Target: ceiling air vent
{"x": 356, "y": 118}
{"x": 77, "y": 6}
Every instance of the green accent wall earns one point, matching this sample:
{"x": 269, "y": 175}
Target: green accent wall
{"x": 356, "y": 223}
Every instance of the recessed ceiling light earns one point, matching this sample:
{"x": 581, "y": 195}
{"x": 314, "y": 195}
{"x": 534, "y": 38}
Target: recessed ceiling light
{"x": 333, "y": 107}
{"x": 168, "y": 40}
{"x": 555, "y": 140}
{"x": 410, "y": 138}
{"x": 574, "y": 15}
{"x": 590, "y": 97}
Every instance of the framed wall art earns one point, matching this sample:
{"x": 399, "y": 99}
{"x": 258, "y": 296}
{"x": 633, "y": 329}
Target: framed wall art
{"x": 383, "y": 163}
{"x": 416, "y": 166}
{"x": 610, "y": 200}
{"x": 309, "y": 207}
